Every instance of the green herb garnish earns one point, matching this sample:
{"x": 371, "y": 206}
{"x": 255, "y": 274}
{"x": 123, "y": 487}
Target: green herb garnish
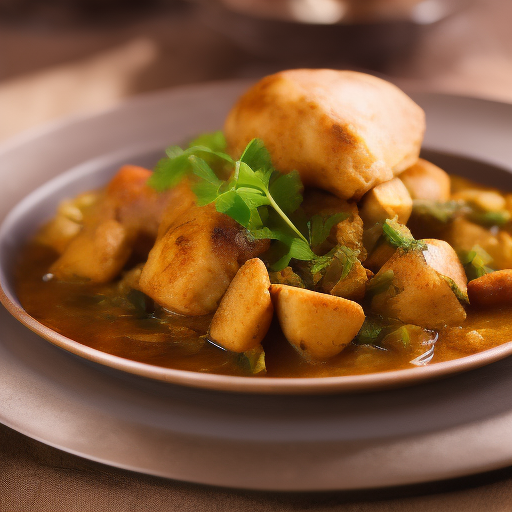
{"x": 443, "y": 211}
{"x": 462, "y": 296}
{"x": 476, "y": 262}
{"x": 320, "y": 226}
{"x": 380, "y": 283}
{"x": 399, "y": 236}
{"x": 254, "y": 359}
{"x": 496, "y": 218}
{"x": 447, "y": 211}
{"x": 344, "y": 254}
{"x": 371, "y": 332}
{"x": 256, "y": 195}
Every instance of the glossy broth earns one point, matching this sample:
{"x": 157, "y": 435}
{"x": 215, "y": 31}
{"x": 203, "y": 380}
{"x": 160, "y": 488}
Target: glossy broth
{"x": 97, "y": 317}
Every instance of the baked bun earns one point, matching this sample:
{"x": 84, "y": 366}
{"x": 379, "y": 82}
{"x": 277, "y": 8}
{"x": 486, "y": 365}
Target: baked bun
{"x": 344, "y": 131}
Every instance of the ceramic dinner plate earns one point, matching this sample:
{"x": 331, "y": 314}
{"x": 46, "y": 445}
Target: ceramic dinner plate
{"x": 255, "y": 441}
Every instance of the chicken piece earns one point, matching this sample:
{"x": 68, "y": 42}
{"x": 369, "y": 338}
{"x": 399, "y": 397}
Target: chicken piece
{"x": 121, "y": 221}
{"x": 492, "y": 290}
{"x": 133, "y": 203}
{"x": 317, "y": 325}
{"x": 245, "y": 312}
{"x": 343, "y": 131}
{"x": 182, "y": 199}
{"x": 348, "y": 232}
{"x": 97, "y": 254}
{"x": 386, "y": 201}
{"x": 427, "y": 181}
{"x": 191, "y": 265}
{"x": 68, "y": 221}
{"x": 418, "y": 293}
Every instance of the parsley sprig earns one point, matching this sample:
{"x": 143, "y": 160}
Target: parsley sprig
{"x": 255, "y": 195}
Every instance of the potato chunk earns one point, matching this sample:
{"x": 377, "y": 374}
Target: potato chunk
{"x": 418, "y": 293}
{"x": 318, "y": 325}
{"x": 343, "y": 131}
{"x": 494, "y": 289}
{"x": 97, "y": 254}
{"x": 191, "y": 265}
{"x": 427, "y": 181}
{"x": 245, "y": 312}
{"x": 385, "y": 201}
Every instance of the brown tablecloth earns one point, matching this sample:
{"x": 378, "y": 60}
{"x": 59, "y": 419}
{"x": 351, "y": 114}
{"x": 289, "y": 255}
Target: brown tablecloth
{"x": 48, "y": 70}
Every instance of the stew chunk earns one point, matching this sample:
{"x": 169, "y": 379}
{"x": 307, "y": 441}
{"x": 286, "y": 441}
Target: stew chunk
{"x": 191, "y": 265}
{"x": 424, "y": 287}
{"x": 245, "y": 312}
{"x": 318, "y": 325}
{"x": 344, "y": 131}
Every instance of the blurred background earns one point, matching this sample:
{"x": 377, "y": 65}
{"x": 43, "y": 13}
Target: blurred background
{"x": 62, "y": 57}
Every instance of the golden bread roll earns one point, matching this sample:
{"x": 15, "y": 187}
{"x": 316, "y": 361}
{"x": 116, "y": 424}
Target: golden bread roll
{"x": 344, "y": 131}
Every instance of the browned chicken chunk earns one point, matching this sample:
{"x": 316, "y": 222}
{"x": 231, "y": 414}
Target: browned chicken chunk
{"x": 191, "y": 265}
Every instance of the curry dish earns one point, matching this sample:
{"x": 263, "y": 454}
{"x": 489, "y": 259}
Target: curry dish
{"x": 307, "y": 239}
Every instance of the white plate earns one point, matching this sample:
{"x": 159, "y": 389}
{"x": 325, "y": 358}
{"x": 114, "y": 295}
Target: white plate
{"x": 262, "y": 442}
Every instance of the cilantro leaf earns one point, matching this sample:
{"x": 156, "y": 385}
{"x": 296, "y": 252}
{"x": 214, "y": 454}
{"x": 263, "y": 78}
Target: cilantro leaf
{"x": 168, "y": 173}
{"x": 371, "y": 331}
{"x": 205, "y": 192}
{"x": 233, "y": 205}
{"x": 257, "y": 157}
{"x": 214, "y": 141}
{"x": 298, "y": 249}
{"x": 201, "y": 169}
{"x": 256, "y": 196}
{"x": 286, "y": 189}
{"x": 246, "y": 177}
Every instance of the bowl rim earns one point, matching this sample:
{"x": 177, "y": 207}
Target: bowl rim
{"x": 250, "y": 384}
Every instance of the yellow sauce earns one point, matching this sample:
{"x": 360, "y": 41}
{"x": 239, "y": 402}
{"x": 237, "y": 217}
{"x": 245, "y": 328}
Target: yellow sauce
{"x": 91, "y": 315}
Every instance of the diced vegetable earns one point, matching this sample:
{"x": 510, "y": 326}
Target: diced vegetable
{"x": 286, "y": 276}
{"x": 491, "y": 290}
{"x": 386, "y": 201}
{"x": 476, "y": 262}
{"x": 463, "y": 235}
{"x": 425, "y": 180}
{"x": 318, "y": 325}
{"x": 245, "y": 312}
